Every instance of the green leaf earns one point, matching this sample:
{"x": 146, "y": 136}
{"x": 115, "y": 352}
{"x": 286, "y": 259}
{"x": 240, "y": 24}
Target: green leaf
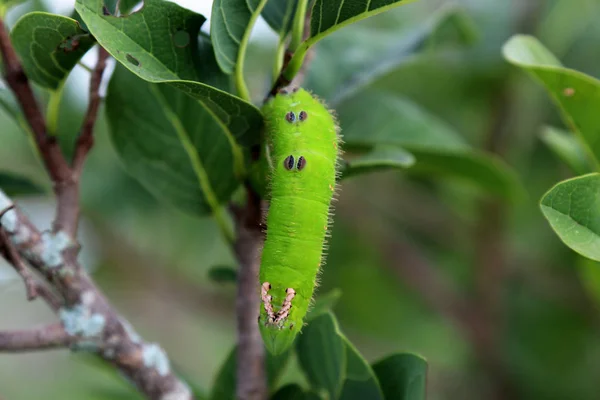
{"x": 330, "y": 15}
{"x": 322, "y": 354}
{"x": 225, "y": 382}
{"x": 14, "y": 185}
{"x": 402, "y": 377}
{"x": 222, "y": 274}
{"x": 568, "y": 148}
{"x": 49, "y": 46}
{"x": 576, "y": 94}
{"x": 375, "y": 117}
{"x": 572, "y": 208}
{"x": 125, "y": 6}
{"x": 172, "y": 144}
{"x": 378, "y": 159}
{"x": 150, "y": 44}
{"x": 323, "y": 304}
{"x": 337, "y": 74}
{"x": 294, "y": 392}
{"x": 439, "y": 150}
{"x": 231, "y": 20}
{"x": 361, "y": 382}
{"x": 279, "y": 14}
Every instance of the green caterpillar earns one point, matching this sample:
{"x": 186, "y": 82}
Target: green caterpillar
{"x": 303, "y": 148}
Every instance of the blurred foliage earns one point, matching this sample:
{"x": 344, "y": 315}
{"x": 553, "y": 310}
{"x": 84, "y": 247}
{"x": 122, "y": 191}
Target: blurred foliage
{"x": 440, "y": 77}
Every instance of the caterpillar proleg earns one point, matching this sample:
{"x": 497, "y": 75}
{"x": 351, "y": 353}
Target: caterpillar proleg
{"x": 303, "y": 145}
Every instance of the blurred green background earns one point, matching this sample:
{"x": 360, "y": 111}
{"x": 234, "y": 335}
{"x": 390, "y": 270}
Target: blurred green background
{"x": 481, "y": 288}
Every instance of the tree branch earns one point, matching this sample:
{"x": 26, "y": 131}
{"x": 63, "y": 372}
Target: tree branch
{"x": 86, "y": 137}
{"x": 87, "y": 317}
{"x": 33, "y": 286}
{"x": 251, "y": 379}
{"x": 11, "y": 255}
{"x": 43, "y": 338}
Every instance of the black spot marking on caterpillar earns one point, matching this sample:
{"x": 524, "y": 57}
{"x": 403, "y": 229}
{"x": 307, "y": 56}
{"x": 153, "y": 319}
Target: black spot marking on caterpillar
{"x": 301, "y": 163}
{"x": 288, "y": 163}
{"x": 302, "y": 116}
{"x": 283, "y": 91}
{"x": 290, "y": 117}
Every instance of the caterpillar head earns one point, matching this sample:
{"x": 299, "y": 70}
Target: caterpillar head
{"x": 277, "y": 323}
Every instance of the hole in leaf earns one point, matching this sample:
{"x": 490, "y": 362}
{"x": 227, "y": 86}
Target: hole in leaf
{"x": 181, "y": 38}
{"x": 133, "y": 60}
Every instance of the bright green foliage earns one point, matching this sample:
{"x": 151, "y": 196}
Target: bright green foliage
{"x": 279, "y": 14}
{"x": 402, "y": 376}
{"x": 124, "y": 6}
{"x": 360, "y": 380}
{"x": 49, "y": 46}
{"x": 335, "y": 76}
{"x": 148, "y": 55}
{"x": 322, "y": 354}
{"x": 329, "y": 16}
{"x": 332, "y": 365}
{"x": 379, "y": 158}
{"x": 577, "y": 94}
{"x": 573, "y": 209}
{"x": 333, "y": 14}
{"x": 323, "y": 304}
{"x": 231, "y": 19}
{"x": 393, "y": 121}
{"x": 172, "y": 144}
{"x": 303, "y": 144}
{"x": 568, "y": 148}
{"x": 573, "y": 206}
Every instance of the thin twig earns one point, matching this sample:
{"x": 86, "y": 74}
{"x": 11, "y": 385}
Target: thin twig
{"x": 68, "y": 211}
{"x": 17, "y": 262}
{"x": 86, "y": 137}
{"x": 43, "y": 338}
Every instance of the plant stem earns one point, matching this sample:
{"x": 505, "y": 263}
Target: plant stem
{"x": 240, "y": 83}
{"x": 298, "y": 26}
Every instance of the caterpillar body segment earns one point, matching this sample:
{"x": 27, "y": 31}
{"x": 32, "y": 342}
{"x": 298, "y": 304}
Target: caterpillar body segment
{"x": 303, "y": 147}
